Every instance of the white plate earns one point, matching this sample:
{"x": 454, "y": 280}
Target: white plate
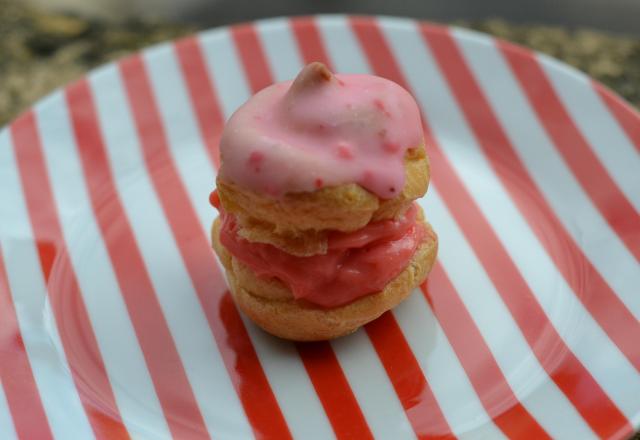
{"x": 116, "y": 322}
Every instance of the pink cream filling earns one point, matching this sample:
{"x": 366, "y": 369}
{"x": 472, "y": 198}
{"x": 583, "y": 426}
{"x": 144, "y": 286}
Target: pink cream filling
{"x": 357, "y": 263}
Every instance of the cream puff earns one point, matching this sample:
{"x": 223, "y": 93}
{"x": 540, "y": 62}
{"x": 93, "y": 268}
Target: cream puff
{"x": 318, "y": 229}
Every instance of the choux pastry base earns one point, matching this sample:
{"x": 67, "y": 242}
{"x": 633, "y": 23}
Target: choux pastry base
{"x": 270, "y": 304}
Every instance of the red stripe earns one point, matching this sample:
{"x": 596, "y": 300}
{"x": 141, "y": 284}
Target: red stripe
{"x": 395, "y": 354}
{"x": 309, "y": 40}
{"x": 255, "y": 65}
{"x": 20, "y": 388}
{"x": 158, "y": 347}
{"x": 44, "y": 219}
{"x": 627, "y": 116}
{"x": 203, "y": 95}
{"x": 408, "y": 380}
{"x": 330, "y": 384}
{"x": 477, "y": 360}
{"x": 571, "y": 377}
{"x": 596, "y": 295}
{"x": 253, "y": 57}
{"x": 224, "y": 320}
{"x": 574, "y": 148}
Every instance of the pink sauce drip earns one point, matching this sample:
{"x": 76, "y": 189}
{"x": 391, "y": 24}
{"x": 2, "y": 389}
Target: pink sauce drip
{"x": 327, "y": 132}
{"x": 357, "y": 263}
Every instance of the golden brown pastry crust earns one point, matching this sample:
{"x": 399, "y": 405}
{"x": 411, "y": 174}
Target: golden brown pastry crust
{"x": 270, "y": 304}
{"x": 298, "y": 222}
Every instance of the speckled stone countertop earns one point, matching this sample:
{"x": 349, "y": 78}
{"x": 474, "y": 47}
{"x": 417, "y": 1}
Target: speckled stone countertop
{"x": 41, "y": 51}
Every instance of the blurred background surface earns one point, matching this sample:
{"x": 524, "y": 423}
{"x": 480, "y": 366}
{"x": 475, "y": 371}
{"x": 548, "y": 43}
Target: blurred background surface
{"x": 622, "y": 16}
{"x": 47, "y": 43}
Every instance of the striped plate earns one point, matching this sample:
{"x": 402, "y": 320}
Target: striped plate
{"x": 115, "y": 321}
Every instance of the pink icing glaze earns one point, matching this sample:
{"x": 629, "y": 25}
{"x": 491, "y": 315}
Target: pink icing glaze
{"x": 322, "y": 130}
